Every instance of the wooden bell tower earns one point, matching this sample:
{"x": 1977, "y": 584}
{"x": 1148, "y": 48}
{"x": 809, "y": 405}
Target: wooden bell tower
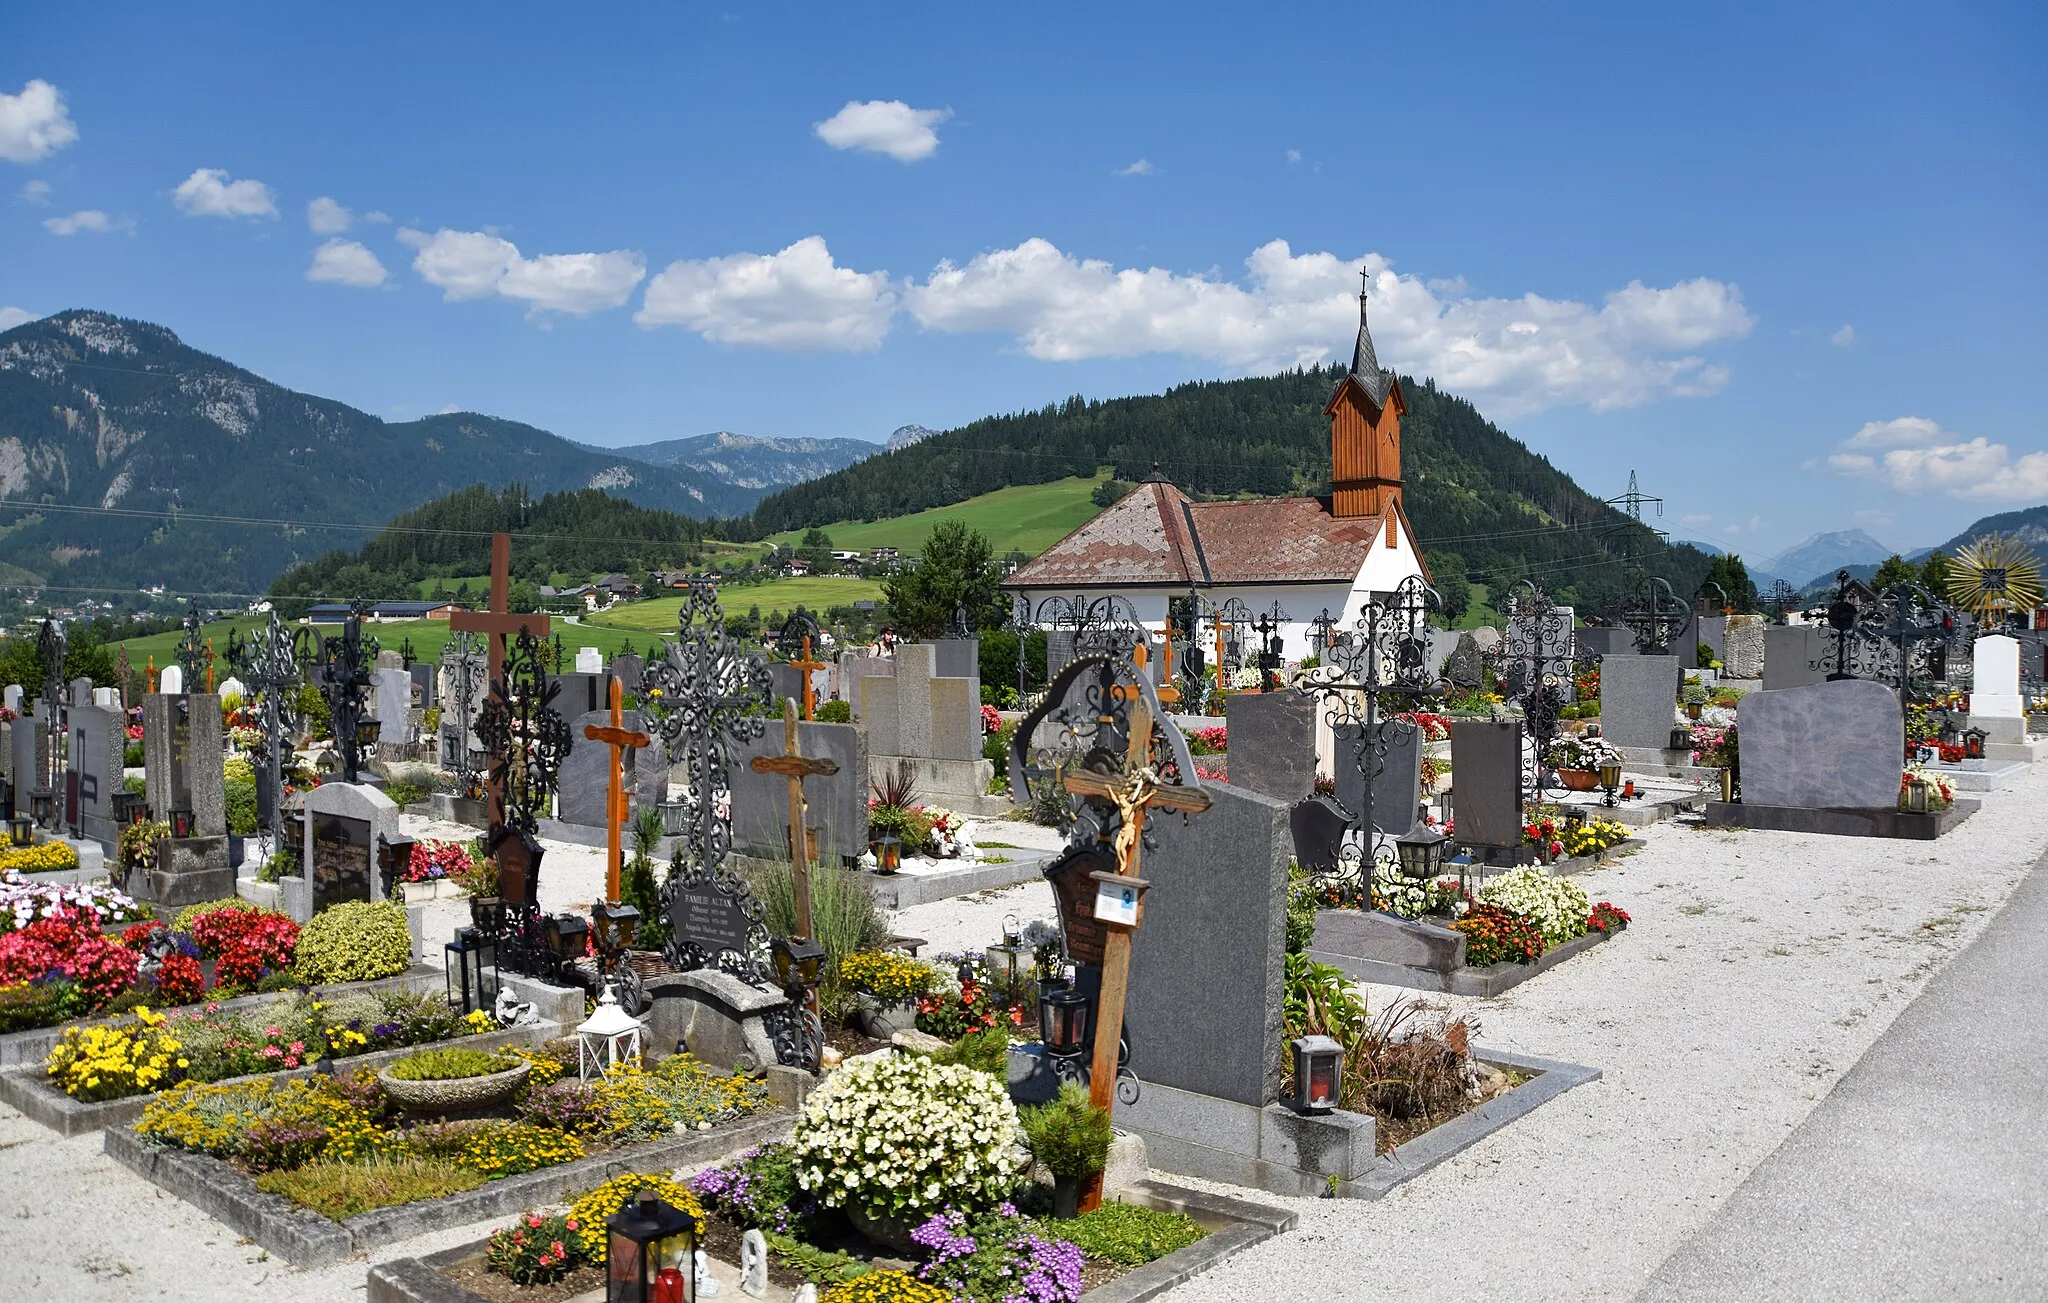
{"x": 1365, "y": 432}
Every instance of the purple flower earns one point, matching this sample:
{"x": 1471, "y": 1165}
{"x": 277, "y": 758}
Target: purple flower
{"x": 945, "y": 1238}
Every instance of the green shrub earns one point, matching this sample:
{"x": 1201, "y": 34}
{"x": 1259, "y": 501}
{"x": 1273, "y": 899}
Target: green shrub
{"x": 1301, "y": 909}
{"x": 834, "y": 712}
{"x": 987, "y": 1050}
{"x": 1069, "y": 1135}
{"x": 356, "y": 941}
{"x": 843, "y": 915}
{"x": 404, "y": 794}
{"x": 450, "y": 1065}
{"x": 1129, "y": 1235}
{"x": 131, "y": 755}
{"x": 241, "y": 804}
{"x": 342, "y": 1190}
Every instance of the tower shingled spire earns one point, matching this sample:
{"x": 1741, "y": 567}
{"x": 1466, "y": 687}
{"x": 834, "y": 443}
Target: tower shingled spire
{"x": 1365, "y": 362}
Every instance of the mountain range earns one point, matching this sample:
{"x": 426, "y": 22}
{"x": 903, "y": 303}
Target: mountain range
{"x": 143, "y": 457}
{"x": 1820, "y": 556}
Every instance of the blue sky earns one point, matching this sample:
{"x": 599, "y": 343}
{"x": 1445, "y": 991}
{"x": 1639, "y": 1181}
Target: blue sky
{"x": 1785, "y": 262}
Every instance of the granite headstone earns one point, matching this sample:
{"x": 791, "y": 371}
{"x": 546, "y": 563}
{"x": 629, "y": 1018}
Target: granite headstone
{"x": 1273, "y": 743}
{"x": 1638, "y": 700}
{"x": 1824, "y": 746}
{"x": 1743, "y": 648}
{"x": 583, "y": 790}
{"x": 1793, "y": 656}
{"x": 836, "y": 805}
{"x": 1486, "y": 770}
{"x": 1396, "y": 776}
{"x": 345, "y": 827}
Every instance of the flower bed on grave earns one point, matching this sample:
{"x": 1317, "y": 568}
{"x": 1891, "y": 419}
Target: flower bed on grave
{"x": 45, "y": 857}
{"x": 904, "y": 1179}
{"x": 59, "y": 964}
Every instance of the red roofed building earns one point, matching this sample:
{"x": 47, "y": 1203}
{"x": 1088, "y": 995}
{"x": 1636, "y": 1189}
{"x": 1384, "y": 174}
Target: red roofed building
{"x": 1310, "y": 556}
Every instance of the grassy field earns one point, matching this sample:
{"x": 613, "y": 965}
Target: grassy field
{"x": 659, "y": 614}
{"x": 1029, "y": 518}
{"x": 428, "y": 637}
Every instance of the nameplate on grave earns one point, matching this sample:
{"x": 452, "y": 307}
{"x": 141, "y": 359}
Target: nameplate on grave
{"x": 710, "y": 921}
{"x": 341, "y": 860}
{"x": 1073, "y": 888}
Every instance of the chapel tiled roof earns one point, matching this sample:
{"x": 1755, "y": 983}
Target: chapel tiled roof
{"x": 1156, "y": 536}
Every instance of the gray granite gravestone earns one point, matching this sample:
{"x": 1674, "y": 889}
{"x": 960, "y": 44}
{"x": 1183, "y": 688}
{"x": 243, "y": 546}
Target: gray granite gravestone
{"x": 958, "y": 658}
{"x": 1713, "y": 631}
{"x": 1743, "y": 647}
{"x": 627, "y": 667}
{"x": 584, "y": 788}
{"x": 392, "y": 700}
{"x": 581, "y": 693}
{"x": 931, "y": 722}
{"x": 1638, "y": 700}
{"x": 1396, "y": 777}
{"x": 181, "y": 742}
{"x": 1603, "y": 641}
{"x": 345, "y": 827}
{"x": 1273, "y": 743}
{"x": 31, "y": 752}
{"x": 1486, "y": 772}
{"x": 785, "y": 680}
{"x": 426, "y": 684}
{"x": 1318, "y": 825}
{"x": 1205, "y": 1007}
{"x": 1792, "y": 656}
{"x": 853, "y": 670}
{"x": 1059, "y": 649}
{"x": 98, "y": 739}
{"x": 836, "y": 805}
{"x": 1824, "y": 746}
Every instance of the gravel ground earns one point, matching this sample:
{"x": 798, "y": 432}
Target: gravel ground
{"x": 1760, "y": 968}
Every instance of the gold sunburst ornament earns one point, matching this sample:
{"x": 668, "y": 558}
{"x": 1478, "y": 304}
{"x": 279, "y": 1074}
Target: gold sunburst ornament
{"x": 1993, "y": 575}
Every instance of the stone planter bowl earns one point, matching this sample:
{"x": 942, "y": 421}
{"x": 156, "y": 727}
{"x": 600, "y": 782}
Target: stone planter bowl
{"x": 882, "y": 1020}
{"x": 455, "y": 1095}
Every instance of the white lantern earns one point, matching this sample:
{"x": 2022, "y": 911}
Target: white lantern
{"x": 606, "y": 1039}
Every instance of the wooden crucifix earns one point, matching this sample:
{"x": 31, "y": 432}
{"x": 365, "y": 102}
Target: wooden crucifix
{"x": 793, "y": 765}
{"x": 618, "y": 737}
{"x": 500, "y": 622}
{"x": 804, "y": 665}
{"x": 1120, "y": 896}
{"x": 1141, "y": 656}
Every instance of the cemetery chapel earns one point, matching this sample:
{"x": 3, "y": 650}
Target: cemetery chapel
{"x": 1307, "y": 555}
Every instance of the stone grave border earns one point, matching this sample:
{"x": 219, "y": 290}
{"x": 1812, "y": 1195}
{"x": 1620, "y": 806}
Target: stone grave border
{"x": 1234, "y": 1225}
{"x": 1838, "y": 822}
{"x": 30, "y": 1047}
{"x": 1459, "y": 980}
{"x": 306, "y": 1239}
{"x": 902, "y": 891}
{"x": 1552, "y": 1078}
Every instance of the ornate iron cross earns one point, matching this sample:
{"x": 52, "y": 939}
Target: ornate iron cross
{"x": 1539, "y": 637}
{"x": 466, "y": 674}
{"x": 194, "y": 656}
{"x": 269, "y": 663}
{"x": 344, "y": 674}
{"x": 526, "y": 736}
{"x": 52, "y": 645}
{"x": 1656, "y": 617}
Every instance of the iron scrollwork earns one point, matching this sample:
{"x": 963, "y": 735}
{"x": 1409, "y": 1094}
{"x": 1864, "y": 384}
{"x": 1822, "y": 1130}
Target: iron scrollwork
{"x": 1656, "y": 617}
{"x": 1537, "y": 644}
{"x": 525, "y": 735}
{"x": 268, "y": 662}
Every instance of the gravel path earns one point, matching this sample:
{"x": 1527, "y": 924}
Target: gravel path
{"x": 1761, "y": 967}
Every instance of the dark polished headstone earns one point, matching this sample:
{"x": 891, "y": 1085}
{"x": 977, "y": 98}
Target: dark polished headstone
{"x": 1396, "y": 776}
{"x": 836, "y": 805}
{"x": 1486, "y": 770}
{"x": 1318, "y": 826}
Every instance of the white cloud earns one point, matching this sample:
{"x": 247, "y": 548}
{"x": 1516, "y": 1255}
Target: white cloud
{"x": 86, "y": 219}
{"x": 34, "y": 124}
{"x": 209, "y": 193}
{"x": 36, "y": 193}
{"x": 477, "y": 264}
{"x": 324, "y": 216}
{"x": 1519, "y": 355}
{"x": 796, "y": 300}
{"x": 1143, "y": 167}
{"x": 1844, "y": 337}
{"x": 1294, "y": 156}
{"x": 1915, "y": 455}
{"x": 378, "y": 216}
{"x": 11, "y": 316}
{"x": 1697, "y": 518}
{"x": 884, "y": 127}
{"x": 345, "y": 262}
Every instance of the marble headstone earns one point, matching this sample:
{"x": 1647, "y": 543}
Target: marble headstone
{"x": 581, "y": 693}
{"x": 391, "y": 698}
{"x": 1486, "y": 772}
{"x": 1792, "y": 656}
{"x": 172, "y": 681}
{"x": 1824, "y": 746}
{"x": 853, "y": 670}
{"x": 1743, "y": 647}
{"x": 589, "y": 660}
{"x": 1273, "y": 743}
{"x": 835, "y": 805}
{"x": 12, "y": 698}
{"x": 1638, "y": 700}
{"x": 1995, "y": 680}
{"x": 1206, "y": 1004}
{"x": 389, "y": 660}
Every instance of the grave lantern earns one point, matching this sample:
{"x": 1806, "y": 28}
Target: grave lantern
{"x": 1973, "y": 743}
{"x": 568, "y": 938}
{"x": 1419, "y": 849}
{"x": 650, "y": 1254}
{"x": 181, "y": 823}
{"x": 487, "y": 916}
{"x": 608, "y": 1038}
{"x": 1610, "y": 778}
{"x": 518, "y": 854}
{"x": 1916, "y": 795}
{"x": 1010, "y": 960}
{"x": 42, "y": 803}
{"x": 888, "y": 853}
{"x": 1318, "y": 1074}
{"x": 675, "y": 817}
{"x": 472, "y": 970}
{"x": 797, "y": 961}
{"x": 394, "y": 857}
{"x": 613, "y": 926}
{"x": 368, "y": 729}
{"x": 21, "y": 829}
{"x": 1062, "y": 1021}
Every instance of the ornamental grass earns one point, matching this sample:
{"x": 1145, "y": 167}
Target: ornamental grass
{"x": 340, "y": 1190}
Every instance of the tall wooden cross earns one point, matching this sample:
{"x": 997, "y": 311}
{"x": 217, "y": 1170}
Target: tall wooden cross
{"x": 793, "y": 765}
{"x": 1141, "y": 656}
{"x": 500, "y": 622}
{"x": 618, "y": 737}
{"x": 805, "y": 665}
{"x": 1132, "y": 792}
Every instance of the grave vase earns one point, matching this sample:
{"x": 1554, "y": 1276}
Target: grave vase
{"x": 1066, "y": 1197}
{"x": 1578, "y": 780}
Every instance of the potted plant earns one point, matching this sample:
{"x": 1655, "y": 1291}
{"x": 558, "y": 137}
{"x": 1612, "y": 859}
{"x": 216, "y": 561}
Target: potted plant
{"x": 894, "y": 820}
{"x": 1577, "y": 760}
{"x": 1070, "y": 1137}
{"x": 890, "y": 984}
{"x": 453, "y": 1080}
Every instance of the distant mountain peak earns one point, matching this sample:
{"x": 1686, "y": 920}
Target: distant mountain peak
{"x": 1820, "y": 555}
{"x": 905, "y": 435}
{"x": 751, "y": 461}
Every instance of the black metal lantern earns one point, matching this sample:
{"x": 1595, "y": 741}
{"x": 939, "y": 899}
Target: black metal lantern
{"x": 1062, "y": 1021}
{"x": 797, "y": 962}
{"x": 22, "y": 830}
{"x": 472, "y": 971}
{"x": 888, "y": 853}
{"x": 181, "y": 823}
{"x": 1681, "y": 738}
{"x": 42, "y": 803}
{"x": 1419, "y": 848}
{"x": 487, "y": 916}
{"x": 394, "y": 857}
{"x": 614, "y": 925}
{"x": 650, "y": 1247}
{"x": 368, "y": 729}
{"x": 1973, "y": 743}
{"x": 568, "y": 937}
{"x": 1318, "y": 1074}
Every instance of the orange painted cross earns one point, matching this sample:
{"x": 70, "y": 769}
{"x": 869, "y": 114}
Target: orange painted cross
{"x": 805, "y": 665}
{"x": 618, "y": 737}
{"x": 500, "y": 622}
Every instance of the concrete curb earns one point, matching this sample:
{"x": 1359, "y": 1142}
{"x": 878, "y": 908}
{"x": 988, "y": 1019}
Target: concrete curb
{"x": 901, "y": 891}
{"x": 306, "y": 1239}
{"x": 1234, "y": 1225}
{"x": 1483, "y": 982}
{"x": 1467, "y": 1129}
{"x": 28, "y": 1090}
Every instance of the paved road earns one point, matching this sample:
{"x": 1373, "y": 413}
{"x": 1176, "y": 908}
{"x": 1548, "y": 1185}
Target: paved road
{"x": 1924, "y": 1174}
